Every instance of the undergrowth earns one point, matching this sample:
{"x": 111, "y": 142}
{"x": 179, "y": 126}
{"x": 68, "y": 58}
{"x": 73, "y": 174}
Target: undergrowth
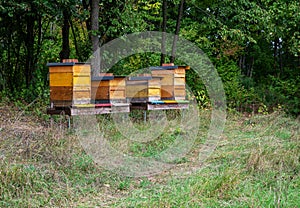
{"x": 256, "y": 164}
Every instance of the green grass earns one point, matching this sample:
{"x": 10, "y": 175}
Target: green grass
{"x": 256, "y": 164}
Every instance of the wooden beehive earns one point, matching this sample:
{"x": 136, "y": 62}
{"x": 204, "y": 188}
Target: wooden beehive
{"x": 179, "y": 83}
{"x": 154, "y": 88}
{"x": 101, "y": 88}
{"x": 143, "y": 88}
{"x": 70, "y": 84}
{"x": 173, "y": 81}
{"x": 167, "y": 81}
{"x": 117, "y": 89}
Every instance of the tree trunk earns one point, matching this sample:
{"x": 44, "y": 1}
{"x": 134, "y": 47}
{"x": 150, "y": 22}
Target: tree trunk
{"x": 29, "y": 44}
{"x": 65, "y": 52}
{"x": 75, "y": 40}
{"x": 275, "y": 52}
{"x": 180, "y": 11}
{"x": 94, "y": 37}
{"x": 164, "y": 28}
{"x": 86, "y": 5}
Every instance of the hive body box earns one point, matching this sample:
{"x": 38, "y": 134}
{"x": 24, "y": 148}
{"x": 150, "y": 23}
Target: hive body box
{"x": 117, "y": 91}
{"x": 70, "y": 84}
{"x": 173, "y": 81}
{"x": 143, "y": 88}
{"x": 101, "y": 88}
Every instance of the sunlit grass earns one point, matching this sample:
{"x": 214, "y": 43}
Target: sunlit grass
{"x": 256, "y": 164}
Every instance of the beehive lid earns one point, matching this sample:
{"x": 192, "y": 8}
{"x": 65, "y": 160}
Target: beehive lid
{"x": 102, "y": 78}
{"x": 139, "y": 78}
{"x": 64, "y": 64}
{"x": 163, "y": 67}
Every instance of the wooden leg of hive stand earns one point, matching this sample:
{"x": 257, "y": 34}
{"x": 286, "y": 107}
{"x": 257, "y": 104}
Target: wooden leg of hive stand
{"x": 69, "y": 122}
{"x": 51, "y": 121}
{"x": 145, "y": 116}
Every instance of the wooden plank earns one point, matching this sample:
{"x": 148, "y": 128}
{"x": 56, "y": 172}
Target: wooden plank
{"x": 170, "y": 101}
{"x": 61, "y": 93}
{"x": 61, "y": 69}
{"x": 117, "y": 94}
{"x": 82, "y": 80}
{"x": 179, "y": 92}
{"x": 89, "y": 111}
{"x": 81, "y": 88}
{"x": 179, "y": 71}
{"x": 135, "y": 88}
{"x": 100, "y": 83}
{"x": 168, "y": 64}
{"x": 117, "y": 82}
{"x": 120, "y": 109}
{"x": 179, "y": 98}
{"x": 154, "y": 83}
{"x": 61, "y": 79}
{"x": 81, "y": 101}
{"x": 162, "y": 72}
{"x": 88, "y": 105}
{"x": 184, "y": 67}
{"x": 82, "y": 70}
{"x": 167, "y": 91}
{"x": 136, "y": 91}
{"x": 100, "y": 110}
{"x": 100, "y": 93}
{"x": 120, "y": 104}
{"x": 179, "y": 81}
{"x": 179, "y": 75}
{"x": 154, "y": 92}
{"x": 166, "y": 106}
{"x": 106, "y": 74}
{"x": 70, "y": 60}
{"x": 137, "y": 82}
{"x": 167, "y": 79}
{"x": 99, "y": 105}
{"x": 113, "y": 88}
{"x": 81, "y": 95}
{"x": 61, "y": 103}
{"x": 154, "y": 98}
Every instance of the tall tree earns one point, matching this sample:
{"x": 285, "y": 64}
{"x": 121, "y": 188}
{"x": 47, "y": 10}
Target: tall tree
{"x": 29, "y": 43}
{"x": 164, "y": 29}
{"x": 95, "y": 37}
{"x": 65, "y": 52}
{"x": 179, "y": 16}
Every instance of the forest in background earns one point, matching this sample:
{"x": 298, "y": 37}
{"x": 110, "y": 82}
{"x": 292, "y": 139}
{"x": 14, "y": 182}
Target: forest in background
{"x": 254, "y": 45}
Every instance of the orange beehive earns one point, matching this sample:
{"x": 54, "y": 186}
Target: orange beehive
{"x": 143, "y": 88}
{"x": 70, "y": 84}
{"x": 173, "y": 81}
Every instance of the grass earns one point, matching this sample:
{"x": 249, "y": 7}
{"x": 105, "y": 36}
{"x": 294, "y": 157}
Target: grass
{"x": 256, "y": 164}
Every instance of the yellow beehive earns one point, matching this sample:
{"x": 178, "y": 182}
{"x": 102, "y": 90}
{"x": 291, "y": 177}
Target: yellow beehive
{"x": 117, "y": 89}
{"x": 70, "y": 84}
{"x": 101, "y": 88}
{"x": 143, "y": 88}
{"x": 167, "y": 81}
{"x": 173, "y": 81}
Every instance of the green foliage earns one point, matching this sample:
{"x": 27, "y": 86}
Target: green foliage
{"x": 283, "y": 92}
{"x": 249, "y": 42}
